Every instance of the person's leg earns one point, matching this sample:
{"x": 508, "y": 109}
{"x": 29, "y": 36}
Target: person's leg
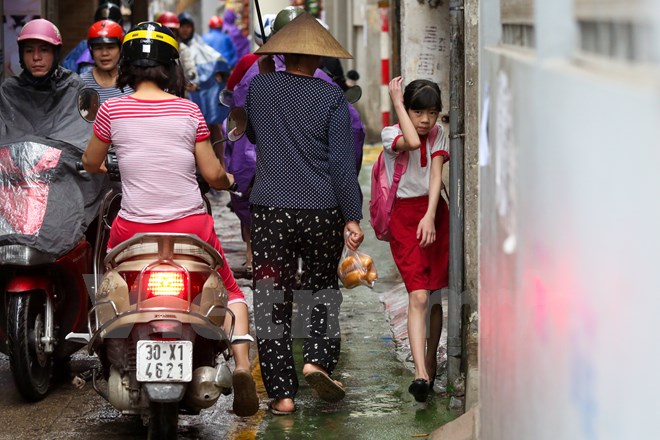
{"x": 241, "y": 327}
{"x": 275, "y": 264}
{"x": 319, "y": 300}
{"x": 246, "y": 400}
{"x": 435, "y": 330}
{"x": 320, "y": 229}
{"x": 418, "y": 301}
{"x": 248, "y": 245}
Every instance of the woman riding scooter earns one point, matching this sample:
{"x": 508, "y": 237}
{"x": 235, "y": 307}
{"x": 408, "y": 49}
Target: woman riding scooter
{"x": 160, "y": 138}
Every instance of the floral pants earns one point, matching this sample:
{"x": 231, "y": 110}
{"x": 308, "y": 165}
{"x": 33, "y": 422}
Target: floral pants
{"x": 279, "y": 237}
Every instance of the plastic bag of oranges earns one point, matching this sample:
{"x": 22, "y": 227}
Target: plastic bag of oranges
{"x": 356, "y": 268}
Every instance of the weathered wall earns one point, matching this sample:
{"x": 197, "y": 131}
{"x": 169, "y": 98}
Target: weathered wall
{"x": 425, "y": 44}
{"x": 568, "y": 218}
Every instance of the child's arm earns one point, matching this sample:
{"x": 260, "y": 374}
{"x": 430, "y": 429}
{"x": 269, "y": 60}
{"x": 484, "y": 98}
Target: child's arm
{"x": 426, "y": 228}
{"x": 410, "y": 139}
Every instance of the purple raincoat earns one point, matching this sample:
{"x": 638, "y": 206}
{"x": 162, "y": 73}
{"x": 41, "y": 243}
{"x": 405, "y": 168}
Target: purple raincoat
{"x": 240, "y": 41}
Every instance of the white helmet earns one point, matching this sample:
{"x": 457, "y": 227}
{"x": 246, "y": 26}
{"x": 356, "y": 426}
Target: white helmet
{"x": 268, "y": 21}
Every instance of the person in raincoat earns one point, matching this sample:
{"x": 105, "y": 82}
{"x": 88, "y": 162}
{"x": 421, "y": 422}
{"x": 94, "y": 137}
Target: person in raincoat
{"x": 39, "y": 106}
{"x": 220, "y": 41}
{"x": 240, "y": 41}
{"x": 212, "y": 72}
{"x": 240, "y": 157}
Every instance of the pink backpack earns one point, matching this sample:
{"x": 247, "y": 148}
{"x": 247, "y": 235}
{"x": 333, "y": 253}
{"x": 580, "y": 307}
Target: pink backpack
{"x": 383, "y": 195}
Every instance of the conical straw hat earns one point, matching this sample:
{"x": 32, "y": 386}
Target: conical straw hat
{"x": 306, "y": 36}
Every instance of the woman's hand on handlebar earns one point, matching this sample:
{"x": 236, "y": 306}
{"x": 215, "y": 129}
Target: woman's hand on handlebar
{"x": 353, "y": 235}
{"x": 94, "y": 156}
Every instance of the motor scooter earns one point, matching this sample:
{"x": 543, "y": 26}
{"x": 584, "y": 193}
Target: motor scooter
{"x": 157, "y": 324}
{"x": 44, "y": 258}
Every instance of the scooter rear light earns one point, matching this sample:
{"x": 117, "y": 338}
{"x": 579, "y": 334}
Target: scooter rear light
{"x": 165, "y": 283}
{"x": 197, "y": 281}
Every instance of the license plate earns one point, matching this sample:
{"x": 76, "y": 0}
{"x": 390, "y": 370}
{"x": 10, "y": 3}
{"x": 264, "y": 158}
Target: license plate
{"x": 164, "y": 361}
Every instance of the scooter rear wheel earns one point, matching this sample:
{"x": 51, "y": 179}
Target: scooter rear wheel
{"x": 30, "y": 365}
{"x": 163, "y": 420}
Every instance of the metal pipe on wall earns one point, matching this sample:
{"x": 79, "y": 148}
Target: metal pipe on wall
{"x": 456, "y": 186}
{"x": 2, "y": 44}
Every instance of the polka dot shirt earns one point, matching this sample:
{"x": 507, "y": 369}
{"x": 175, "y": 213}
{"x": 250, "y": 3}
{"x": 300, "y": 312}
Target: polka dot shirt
{"x": 305, "y": 156}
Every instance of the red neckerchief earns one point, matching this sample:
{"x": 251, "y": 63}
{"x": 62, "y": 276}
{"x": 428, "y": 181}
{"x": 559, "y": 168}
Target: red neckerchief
{"x": 422, "y": 150}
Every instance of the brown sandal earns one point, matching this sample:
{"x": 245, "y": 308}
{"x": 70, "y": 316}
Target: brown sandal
{"x": 246, "y": 400}
{"x": 327, "y": 389}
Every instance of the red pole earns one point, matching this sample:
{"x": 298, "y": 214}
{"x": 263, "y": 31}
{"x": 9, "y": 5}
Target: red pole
{"x": 384, "y": 66}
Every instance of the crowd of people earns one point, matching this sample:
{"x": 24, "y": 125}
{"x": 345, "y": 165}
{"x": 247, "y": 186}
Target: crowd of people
{"x": 296, "y": 170}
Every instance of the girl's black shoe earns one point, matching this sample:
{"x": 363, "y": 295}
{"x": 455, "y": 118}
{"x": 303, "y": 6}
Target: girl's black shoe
{"x": 419, "y": 388}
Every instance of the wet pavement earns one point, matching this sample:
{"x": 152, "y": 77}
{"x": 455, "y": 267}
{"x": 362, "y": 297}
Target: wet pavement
{"x": 374, "y": 367}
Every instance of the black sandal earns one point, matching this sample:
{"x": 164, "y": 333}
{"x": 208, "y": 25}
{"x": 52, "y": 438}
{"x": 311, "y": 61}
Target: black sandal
{"x": 419, "y": 388}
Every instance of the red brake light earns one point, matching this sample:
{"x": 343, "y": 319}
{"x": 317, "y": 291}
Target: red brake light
{"x": 170, "y": 284}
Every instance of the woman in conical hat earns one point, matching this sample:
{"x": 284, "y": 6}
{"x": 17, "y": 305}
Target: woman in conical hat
{"x": 306, "y": 201}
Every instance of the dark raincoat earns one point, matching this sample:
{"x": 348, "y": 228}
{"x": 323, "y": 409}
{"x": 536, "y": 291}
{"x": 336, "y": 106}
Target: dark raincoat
{"x": 46, "y": 203}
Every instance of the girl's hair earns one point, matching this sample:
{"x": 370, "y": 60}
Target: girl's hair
{"x": 422, "y": 94}
{"x": 169, "y": 78}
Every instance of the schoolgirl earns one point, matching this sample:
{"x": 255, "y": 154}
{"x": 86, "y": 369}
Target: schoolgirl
{"x": 419, "y": 226}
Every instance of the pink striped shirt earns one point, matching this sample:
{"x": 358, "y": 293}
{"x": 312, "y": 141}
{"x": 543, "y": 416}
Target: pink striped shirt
{"x": 155, "y": 145}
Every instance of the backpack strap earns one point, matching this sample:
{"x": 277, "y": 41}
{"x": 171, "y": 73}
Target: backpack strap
{"x": 400, "y": 166}
{"x": 433, "y": 134}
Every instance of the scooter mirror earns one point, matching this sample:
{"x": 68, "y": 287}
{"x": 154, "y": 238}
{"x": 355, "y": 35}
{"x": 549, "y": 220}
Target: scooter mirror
{"x": 88, "y": 104}
{"x": 353, "y": 94}
{"x": 236, "y": 123}
{"x": 226, "y": 98}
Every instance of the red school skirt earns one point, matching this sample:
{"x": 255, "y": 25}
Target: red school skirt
{"x": 421, "y": 268}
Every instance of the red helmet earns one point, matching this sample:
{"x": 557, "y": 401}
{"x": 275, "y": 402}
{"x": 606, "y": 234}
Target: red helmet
{"x": 168, "y": 19}
{"x": 105, "y": 31}
{"x": 41, "y": 29}
{"x": 215, "y": 22}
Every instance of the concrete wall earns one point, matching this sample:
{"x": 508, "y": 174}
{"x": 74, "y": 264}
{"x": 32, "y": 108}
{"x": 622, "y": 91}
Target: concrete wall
{"x": 425, "y": 44}
{"x": 569, "y": 232}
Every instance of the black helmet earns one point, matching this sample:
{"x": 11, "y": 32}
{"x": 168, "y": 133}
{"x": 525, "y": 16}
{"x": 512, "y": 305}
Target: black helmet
{"x": 185, "y": 17}
{"x": 108, "y": 11}
{"x": 149, "y": 44}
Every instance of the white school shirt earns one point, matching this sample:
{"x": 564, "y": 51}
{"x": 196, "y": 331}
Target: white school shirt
{"x": 415, "y": 181}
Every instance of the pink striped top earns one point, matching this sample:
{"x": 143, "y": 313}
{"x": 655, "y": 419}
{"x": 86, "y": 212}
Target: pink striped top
{"x": 155, "y": 145}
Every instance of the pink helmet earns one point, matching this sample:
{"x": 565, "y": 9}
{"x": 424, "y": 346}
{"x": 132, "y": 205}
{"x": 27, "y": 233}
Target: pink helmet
{"x": 41, "y": 29}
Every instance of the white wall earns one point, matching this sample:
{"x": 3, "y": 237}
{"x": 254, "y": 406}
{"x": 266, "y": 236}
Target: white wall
{"x": 569, "y": 220}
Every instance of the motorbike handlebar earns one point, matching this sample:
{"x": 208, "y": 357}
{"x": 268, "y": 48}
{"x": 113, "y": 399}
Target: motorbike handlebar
{"x": 111, "y": 165}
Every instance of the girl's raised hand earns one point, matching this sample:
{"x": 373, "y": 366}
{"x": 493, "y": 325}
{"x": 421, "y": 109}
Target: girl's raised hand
{"x": 426, "y": 231}
{"x": 396, "y": 90}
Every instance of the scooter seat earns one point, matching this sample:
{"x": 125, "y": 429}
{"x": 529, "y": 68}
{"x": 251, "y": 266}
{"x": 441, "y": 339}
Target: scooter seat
{"x": 142, "y": 250}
